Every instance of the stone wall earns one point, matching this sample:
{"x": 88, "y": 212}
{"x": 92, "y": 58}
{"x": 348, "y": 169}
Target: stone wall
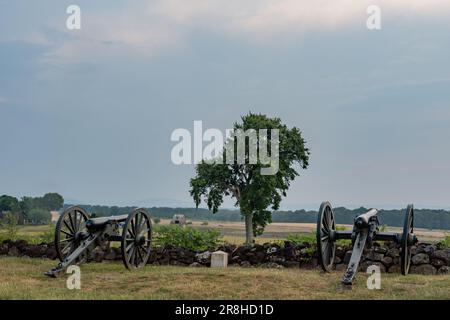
{"x": 22, "y": 248}
{"x": 426, "y": 258}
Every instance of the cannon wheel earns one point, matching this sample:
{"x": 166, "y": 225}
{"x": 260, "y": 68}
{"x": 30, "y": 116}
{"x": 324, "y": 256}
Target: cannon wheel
{"x": 69, "y": 228}
{"x": 408, "y": 230}
{"x": 136, "y": 239}
{"x": 326, "y": 247}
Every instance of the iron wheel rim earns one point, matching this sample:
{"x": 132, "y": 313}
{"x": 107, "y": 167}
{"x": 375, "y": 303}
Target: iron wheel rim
{"x": 408, "y": 229}
{"x": 326, "y": 247}
{"x": 136, "y": 239}
{"x": 71, "y": 223}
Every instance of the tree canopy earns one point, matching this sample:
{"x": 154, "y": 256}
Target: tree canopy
{"x": 36, "y": 209}
{"x": 8, "y": 203}
{"x": 39, "y": 216}
{"x": 52, "y": 201}
{"x": 255, "y": 192}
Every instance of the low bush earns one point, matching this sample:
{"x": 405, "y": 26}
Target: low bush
{"x": 299, "y": 238}
{"x": 446, "y": 241}
{"x": 10, "y": 227}
{"x": 188, "y": 238}
{"x": 47, "y": 236}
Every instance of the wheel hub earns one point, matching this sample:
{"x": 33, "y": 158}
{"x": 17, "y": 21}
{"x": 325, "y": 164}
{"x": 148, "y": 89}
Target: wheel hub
{"x": 77, "y": 236}
{"x": 140, "y": 240}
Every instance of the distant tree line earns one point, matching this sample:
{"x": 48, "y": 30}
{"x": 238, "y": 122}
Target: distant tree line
{"x": 33, "y": 210}
{"x": 36, "y": 210}
{"x": 423, "y": 218}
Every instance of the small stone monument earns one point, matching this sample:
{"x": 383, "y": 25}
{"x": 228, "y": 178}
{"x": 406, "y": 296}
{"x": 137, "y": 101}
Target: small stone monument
{"x": 219, "y": 259}
{"x": 179, "y": 219}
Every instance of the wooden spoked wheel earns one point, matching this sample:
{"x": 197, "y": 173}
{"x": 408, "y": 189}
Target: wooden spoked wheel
{"x": 326, "y": 247}
{"x": 70, "y": 228}
{"x": 136, "y": 239}
{"x": 407, "y": 240}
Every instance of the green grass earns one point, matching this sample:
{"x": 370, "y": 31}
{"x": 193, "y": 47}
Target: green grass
{"x": 446, "y": 240}
{"x": 22, "y": 278}
{"x": 32, "y": 234}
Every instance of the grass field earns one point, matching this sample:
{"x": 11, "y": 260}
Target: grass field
{"x": 22, "y": 278}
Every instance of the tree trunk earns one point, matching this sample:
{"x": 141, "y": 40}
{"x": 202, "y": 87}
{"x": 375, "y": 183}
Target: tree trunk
{"x": 249, "y": 229}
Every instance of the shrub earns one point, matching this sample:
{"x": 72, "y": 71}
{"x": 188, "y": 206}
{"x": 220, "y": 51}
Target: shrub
{"x": 187, "y": 238}
{"x": 299, "y": 238}
{"x": 39, "y": 216}
{"x": 48, "y": 236}
{"x": 344, "y": 242}
{"x": 446, "y": 241}
{"x": 10, "y": 225}
{"x": 156, "y": 220}
{"x": 204, "y": 223}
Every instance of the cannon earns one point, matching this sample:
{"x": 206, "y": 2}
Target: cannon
{"x": 365, "y": 231}
{"x": 76, "y": 235}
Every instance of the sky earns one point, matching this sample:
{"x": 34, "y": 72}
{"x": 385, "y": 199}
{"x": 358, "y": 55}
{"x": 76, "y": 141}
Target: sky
{"x": 89, "y": 113}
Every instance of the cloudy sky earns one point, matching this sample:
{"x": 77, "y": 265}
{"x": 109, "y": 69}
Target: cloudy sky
{"x": 89, "y": 113}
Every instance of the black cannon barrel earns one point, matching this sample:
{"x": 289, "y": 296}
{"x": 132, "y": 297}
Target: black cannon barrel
{"x": 363, "y": 219}
{"x": 119, "y": 218}
{"x": 99, "y": 223}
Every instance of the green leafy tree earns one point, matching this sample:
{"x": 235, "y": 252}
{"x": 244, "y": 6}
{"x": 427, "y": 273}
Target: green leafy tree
{"x": 39, "y": 216}
{"x": 255, "y": 193}
{"x": 27, "y": 203}
{"x": 10, "y": 224}
{"x": 52, "y": 201}
{"x": 9, "y": 203}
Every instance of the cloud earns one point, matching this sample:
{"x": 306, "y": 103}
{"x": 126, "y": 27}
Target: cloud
{"x": 260, "y": 17}
{"x": 119, "y": 33}
{"x": 146, "y": 29}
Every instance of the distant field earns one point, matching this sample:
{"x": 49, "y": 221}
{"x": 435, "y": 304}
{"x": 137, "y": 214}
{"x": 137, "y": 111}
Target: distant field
{"x": 22, "y": 278}
{"x": 234, "y": 232}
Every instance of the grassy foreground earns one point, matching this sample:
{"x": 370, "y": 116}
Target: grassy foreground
{"x": 22, "y": 278}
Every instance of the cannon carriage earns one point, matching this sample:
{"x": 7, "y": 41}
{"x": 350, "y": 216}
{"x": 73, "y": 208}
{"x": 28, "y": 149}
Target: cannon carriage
{"x": 365, "y": 231}
{"x": 76, "y": 235}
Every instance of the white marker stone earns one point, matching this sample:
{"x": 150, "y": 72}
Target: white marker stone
{"x": 219, "y": 259}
